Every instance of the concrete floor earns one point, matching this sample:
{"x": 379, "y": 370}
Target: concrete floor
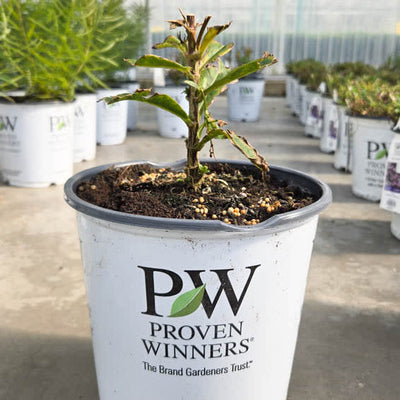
{"x": 349, "y": 339}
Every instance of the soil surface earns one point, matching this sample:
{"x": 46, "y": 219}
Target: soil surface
{"x": 233, "y": 196}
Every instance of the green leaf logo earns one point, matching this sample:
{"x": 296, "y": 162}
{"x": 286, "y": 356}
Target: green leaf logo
{"x": 187, "y": 303}
{"x": 381, "y": 154}
{"x": 61, "y": 125}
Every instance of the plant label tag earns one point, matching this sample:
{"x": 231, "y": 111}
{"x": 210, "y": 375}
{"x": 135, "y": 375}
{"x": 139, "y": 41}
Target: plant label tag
{"x": 391, "y": 189}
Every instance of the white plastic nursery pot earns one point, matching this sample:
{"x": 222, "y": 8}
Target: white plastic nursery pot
{"x": 395, "y": 225}
{"x": 296, "y": 109}
{"x": 111, "y": 118}
{"x": 244, "y": 100}
{"x": 133, "y": 107}
{"x": 305, "y": 103}
{"x": 330, "y": 127}
{"x": 169, "y": 125}
{"x": 85, "y": 127}
{"x": 343, "y": 152}
{"x": 371, "y": 141}
{"x": 314, "y": 120}
{"x": 232, "y": 339}
{"x": 288, "y": 90}
{"x": 36, "y": 143}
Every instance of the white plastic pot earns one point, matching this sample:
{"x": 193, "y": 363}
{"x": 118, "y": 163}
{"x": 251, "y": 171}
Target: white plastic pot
{"x": 244, "y": 100}
{"x": 133, "y": 107}
{"x": 395, "y": 225}
{"x": 169, "y": 125}
{"x": 296, "y": 97}
{"x": 314, "y": 120}
{"x": 111, "y": 119}
{"x": 330, "y": 127}
{"x": 371, "y": 141}
{"x": 305, "y": 103}
{"x": 85, "y": 127}
{"x": 288, "y": 90}
{"x": 240, "y": 342}
{"x": 343, "y": 152}
{"x": 36, "y": 143}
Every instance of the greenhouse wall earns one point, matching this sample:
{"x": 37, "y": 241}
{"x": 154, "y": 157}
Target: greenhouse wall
{"x": 330, "y": 31}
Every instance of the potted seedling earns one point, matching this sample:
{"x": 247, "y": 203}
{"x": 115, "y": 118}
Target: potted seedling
{"x": 113, "y": 121}
{"x": 245, "y": 95}
{"x": 104, "y": 25}
{"x": 195, "y": 271}
{"x": 45, "y": 57}
{"x": 316, "y": 106}
{"x": 337, "y": 119}
{"x": 169, "y": 125}
{"x": 369, "y": 102}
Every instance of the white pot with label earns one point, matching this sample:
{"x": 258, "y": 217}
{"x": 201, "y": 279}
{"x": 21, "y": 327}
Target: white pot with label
{"x": 288, "y": 90}
{"x": 169, "y": 125}
{"x": 371, "y": 141}
{"x": 111, "y": 118}
{"x": 85, "y": 127}
{"x": 343, "y": 153}
{"x": 306, "y": 96}
{"x": 330, "y": 127}
{"x": 395, "y": 225}
{"x": 314, "y": 120}
{"x": 296, "y": 97}
{"x": 232, "y": 339}
{"x": 244, "y": 100}
{"x": 36, "y": 143}
{"x": 133, "y": 106}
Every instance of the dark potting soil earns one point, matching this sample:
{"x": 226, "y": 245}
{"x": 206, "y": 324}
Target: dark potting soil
{"x": 233, "y": 196}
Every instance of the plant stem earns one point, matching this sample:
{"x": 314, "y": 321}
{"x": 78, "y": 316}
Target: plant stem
{"x": 192, "y": 168}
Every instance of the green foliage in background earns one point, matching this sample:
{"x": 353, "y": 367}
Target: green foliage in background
{"x": 47, "y": 48}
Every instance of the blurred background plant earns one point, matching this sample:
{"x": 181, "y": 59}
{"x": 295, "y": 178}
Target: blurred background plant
{"x": 372, "y": 97}
{"x": 48, "y": 48}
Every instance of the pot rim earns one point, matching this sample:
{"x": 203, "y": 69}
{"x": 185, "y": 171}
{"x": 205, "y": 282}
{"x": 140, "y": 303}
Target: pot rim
{"x": 278, "y": 222}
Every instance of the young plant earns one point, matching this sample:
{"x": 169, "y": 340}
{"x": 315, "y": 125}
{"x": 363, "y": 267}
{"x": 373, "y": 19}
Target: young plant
{"x": 372, "y": 97}
{"x": 206, "y": 77}
{"x": 47, "y": 47}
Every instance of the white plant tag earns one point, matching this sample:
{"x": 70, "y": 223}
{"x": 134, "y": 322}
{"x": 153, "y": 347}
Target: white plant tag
{"x": 391, "y": 189}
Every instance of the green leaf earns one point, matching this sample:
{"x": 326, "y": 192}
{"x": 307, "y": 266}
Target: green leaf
{"x": 248, "y": 150}
{"x": 162, "y": 101}
{"x": 188, "y": 302}
{"x": 153, "y": 61}
{"x": 381, "y": 154}
{"x": 171, "y": 41}
{"x": 242, "y": 71}
{"x": 215, "y": 50}
{"x": 211, "y": 34}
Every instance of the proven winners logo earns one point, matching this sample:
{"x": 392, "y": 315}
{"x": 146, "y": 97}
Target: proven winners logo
{"x": 177, "y": 340}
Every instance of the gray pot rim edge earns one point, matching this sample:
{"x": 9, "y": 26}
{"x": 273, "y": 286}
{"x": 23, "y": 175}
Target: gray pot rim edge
{"x": 278, "y": 222}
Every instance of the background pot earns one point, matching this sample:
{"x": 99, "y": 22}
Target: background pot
{"x": 241, "y": 351}
{"x": 296, "y": 97}
{"x": 330, "y": 127}
{"x": 36, "y": 143}
{"x": 288, "y": 90}
{"x": 85, "y": 127}
{"x": 170, "y": 125}
{"x": 314, "y": 119}
{"x": 395, "y": 225}
{"x": 244, "y": 100}
{"x": 305, "y": 103}
{"x": 133, "y": 107}
{"x": 371, "y": 141}
{"x": 343, "y": 152}
{"x": 111, "y": 119}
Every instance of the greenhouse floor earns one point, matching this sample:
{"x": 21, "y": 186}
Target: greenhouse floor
{"x": 349, "y": 339}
